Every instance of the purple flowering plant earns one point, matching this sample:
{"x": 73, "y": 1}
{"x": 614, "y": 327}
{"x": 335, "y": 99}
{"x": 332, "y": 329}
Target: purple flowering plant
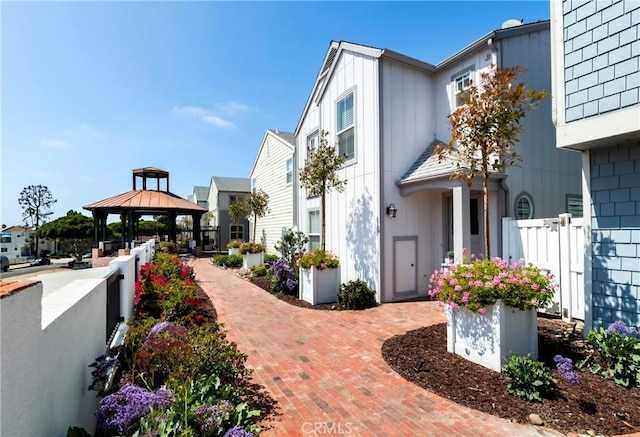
{"x": 123, "y": 409}
{"x": 237, "y": 431}
{"x": 284, "y": 277}
{"x": 473, "y": 285}
{"x": 614, "y": 353}
{"x": 565, "y": 368}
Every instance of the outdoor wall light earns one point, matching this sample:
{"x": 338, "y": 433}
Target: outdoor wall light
{"x": 392, "y": 210}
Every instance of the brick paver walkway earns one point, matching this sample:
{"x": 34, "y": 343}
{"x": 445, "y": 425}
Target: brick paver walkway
{"x": 326, "y": 371}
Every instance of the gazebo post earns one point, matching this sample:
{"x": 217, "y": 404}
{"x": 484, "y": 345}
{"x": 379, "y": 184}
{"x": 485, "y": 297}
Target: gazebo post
{"x": 196, "y": 227}
{"x": 96, "y": 228}
{"x": 130, "y": 228}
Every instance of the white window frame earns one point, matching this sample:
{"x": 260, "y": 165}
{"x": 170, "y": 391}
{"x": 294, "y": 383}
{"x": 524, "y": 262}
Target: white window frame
{"x": 313, "y": 140}
{"x": 314, "y": 235}
{"x": 288, "y": 169}
{"x": 516, "y": 206}
{"x": 461, "y": 81}
{"x": 234, "y": 230}
{"x": 341, "y": 130}
{"x": 254, "y": 184}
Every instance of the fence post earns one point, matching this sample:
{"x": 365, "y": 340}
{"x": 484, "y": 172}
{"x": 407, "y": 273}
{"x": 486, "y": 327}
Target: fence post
{"x": 565, "y": 266}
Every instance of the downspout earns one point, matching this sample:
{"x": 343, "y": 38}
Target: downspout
{"x": 381, "y": 209}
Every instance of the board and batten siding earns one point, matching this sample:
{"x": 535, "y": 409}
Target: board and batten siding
{"x": 270, "y": 175}
{"x": 548, "y": 174}
{"x": 408, "y": 116}
{"x": 352, "y": 220}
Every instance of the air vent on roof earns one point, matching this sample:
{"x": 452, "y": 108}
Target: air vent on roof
{"x": 327, "y": 64}
{"x": 512, "y": 23}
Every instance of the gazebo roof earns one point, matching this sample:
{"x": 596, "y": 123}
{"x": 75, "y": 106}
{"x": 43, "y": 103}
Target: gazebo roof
{"x": 145, "y": 202}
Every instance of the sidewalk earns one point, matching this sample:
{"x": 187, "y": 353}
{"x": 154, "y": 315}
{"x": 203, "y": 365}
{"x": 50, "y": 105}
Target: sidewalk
{"x": 326, "y": 371}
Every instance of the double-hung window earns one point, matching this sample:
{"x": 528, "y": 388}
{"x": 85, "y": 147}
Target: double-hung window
{"x": 313, "y": 140}
{"x": 314, "y": 229}
{"x": 289, "y": 170}
{"x": 346, "y": 127}
{"x": 462, "y": 83}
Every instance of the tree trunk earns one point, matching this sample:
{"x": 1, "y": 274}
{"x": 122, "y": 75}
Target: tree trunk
{"x": 485, "y": 201}
{"x": 322, "y": 235}
{"x": 255, "y": 225}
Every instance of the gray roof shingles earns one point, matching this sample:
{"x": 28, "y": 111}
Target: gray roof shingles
{"x": 232, "y": 184}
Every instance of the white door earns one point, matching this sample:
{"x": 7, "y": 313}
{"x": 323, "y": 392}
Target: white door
{"x": 405, "y": 272}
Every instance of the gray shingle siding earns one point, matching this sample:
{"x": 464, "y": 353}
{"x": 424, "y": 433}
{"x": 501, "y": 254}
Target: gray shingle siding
{"x": 615, "y": 188}
{"x": 601, "y": 37}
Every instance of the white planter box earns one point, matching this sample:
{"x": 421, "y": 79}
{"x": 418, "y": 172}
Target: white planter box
{"x": 252, "y": 259}
{"x": 319, "y": 286}
{"x": 491, "y": 339}
{"x": 234, "y": 251}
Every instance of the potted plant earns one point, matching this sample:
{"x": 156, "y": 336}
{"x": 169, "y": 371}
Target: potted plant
{"x": 491, "y": 308}
{"x": 252, "y": 254}
{"x": 319, "y": 276}
{"x": 233, "y": 247}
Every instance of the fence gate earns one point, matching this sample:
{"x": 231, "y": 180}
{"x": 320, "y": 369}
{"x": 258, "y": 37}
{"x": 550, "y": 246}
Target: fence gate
{"x": 556, "y": 244}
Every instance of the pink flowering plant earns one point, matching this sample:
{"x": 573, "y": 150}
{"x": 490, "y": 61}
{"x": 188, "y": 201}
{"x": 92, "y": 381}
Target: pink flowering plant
{"x": 484, "y": 281}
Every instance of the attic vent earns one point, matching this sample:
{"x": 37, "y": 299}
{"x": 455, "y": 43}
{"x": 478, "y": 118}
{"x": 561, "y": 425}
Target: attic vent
{"x": 330, "y": 57}
{"x": 512, "y": 23}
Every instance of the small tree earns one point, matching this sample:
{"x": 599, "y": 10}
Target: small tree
{"x": 485, "y": 128}
{"x": 259, "y": 206}
{"x": 291, "y": 245}
{"x": 239, "y": 209}
{"x": 73, "y": 230}
{"x": 320, "y": 175}
{"x": 36, "y": 202}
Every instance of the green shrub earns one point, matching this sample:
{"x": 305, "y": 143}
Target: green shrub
{"x": 259, "y": 270}
{"x": 220, "y": 260}
{"x": 234, "y": 261}
{"x": 356, "y": 295}
{"x": 167, "y": 246}
{"x": 528, "y": 379}
{"x": 614, "y": 353}
{"x": 270, "y": 258}
{"x": 227, "y": 260}
{"x": 291, "y": 246}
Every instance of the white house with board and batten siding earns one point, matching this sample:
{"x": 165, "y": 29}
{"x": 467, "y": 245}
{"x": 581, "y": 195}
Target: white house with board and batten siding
{"x": 273, "y": 172}
{"x": 385, "y": 112}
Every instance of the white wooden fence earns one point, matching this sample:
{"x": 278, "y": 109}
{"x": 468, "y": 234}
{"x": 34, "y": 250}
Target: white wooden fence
{"x": 556, "y": 244}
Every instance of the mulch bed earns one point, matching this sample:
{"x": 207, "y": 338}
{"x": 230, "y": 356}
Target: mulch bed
{"x": 264, "y": 283}
{"x": 594, "y": 405}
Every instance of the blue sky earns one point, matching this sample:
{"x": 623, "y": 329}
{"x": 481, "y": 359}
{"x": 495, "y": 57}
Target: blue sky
{"x": 92, "y": 90}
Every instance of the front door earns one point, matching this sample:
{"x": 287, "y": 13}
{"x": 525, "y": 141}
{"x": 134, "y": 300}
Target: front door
{"x": 405, "y": 271}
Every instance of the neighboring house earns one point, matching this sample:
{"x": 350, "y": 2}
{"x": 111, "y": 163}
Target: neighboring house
{"x": 385, "y": 112}
{"x": 273, "y": 172}
{"x": 596, "y": 109}
{"x": 16, "y": 241}
{"x": 200, "y": 197}
{"x": 223, "y": 191}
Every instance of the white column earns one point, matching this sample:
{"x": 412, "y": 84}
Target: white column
{"x": 461, "y": 225}
{"x": 565, "y": 267}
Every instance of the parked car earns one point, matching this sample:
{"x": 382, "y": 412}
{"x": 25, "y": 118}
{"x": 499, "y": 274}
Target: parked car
{"x": 40, "y": 262}
{"x": 87, "y": 256}
{"x": 4, "y": 263}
